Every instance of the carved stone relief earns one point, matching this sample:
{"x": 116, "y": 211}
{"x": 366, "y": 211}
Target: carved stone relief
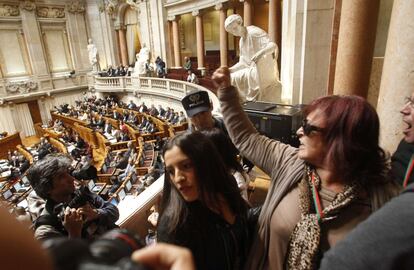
{"x": 9, "y": 10}
{"x": 111, "y": 6}
{"x": 134, "y": 3}
{"x": 46, "y": 12}
{"x": 76, "y": 6}
{"x": 21, "y": 87}
{"x": 28, "y": 5}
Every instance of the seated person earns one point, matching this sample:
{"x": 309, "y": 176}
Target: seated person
{"x": 192, "y": 78}
{"x": 115, "y": 185}
{"x": 130, "y": 169}
{"x": 24, "y": 164}
{"x": 68, "y": 212}
{"x": 86, "y": 170}
{"x": 152, "y": 175}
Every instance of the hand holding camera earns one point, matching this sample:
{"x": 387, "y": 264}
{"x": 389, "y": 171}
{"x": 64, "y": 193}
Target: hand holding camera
{"x": 73, "y": 222}
{"x": 88, "y": 212}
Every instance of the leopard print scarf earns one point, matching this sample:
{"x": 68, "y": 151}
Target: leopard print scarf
{"x": 305, "y": 238}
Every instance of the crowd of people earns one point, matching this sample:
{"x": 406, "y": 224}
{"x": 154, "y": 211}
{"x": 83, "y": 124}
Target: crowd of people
{"x": 331, "y": 204}
{"x": 157, "y": 69}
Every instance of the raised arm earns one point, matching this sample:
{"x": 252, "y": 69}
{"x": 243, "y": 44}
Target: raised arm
{"x": 265, "y": 153}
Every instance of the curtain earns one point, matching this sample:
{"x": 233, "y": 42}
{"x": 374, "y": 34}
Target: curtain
{"x": 24, "y": 121}
{"x": 6, "y": 120}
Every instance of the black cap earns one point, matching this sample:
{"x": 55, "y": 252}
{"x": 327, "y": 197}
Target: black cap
{"x": 196, "y": 102}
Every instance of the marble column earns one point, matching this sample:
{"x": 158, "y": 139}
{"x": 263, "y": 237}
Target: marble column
{"x": 118, "y": 43}
{"x": 275, "y": 25}
{"x": 170, "y": 51}
{"x": 223, "y": 35}
{"x": 334, "y": 45}
{"x": 176, "y": 42}
{"x": 123, "y": 46}
{"x": 275, "y": 21}
{"x": 247, "y": 12}
{"x": 33, "y": 35}
{"x": 356, "y": 43}
{"x": 200, "y": 40}
{"x": 397, "y": 79}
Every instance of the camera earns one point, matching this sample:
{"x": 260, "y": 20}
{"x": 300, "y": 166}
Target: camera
{"x": 112, "y": 251}
{"x": 81, "y": 197}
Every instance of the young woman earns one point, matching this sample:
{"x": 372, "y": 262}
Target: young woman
{"x": 201, "y": 207}
{"x": 320, "y": 191}
{"x": 229, "y": 155}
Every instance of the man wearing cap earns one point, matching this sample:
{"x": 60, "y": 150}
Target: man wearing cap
{"x": 198, "y": 108}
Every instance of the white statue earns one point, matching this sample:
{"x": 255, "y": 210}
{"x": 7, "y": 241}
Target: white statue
{"x": 142, "y": 58}
{"x": 93, "y": 56}
{"x": 256, "y": 74}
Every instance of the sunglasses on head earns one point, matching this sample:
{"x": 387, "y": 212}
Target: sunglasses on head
{"x": 308, "y": 128}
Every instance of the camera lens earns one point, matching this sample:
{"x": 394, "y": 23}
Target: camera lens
{"x": 114, "y": 245}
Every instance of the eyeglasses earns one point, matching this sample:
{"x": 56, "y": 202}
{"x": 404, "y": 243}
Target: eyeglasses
{"x": 410, "y": 101}
{"x": 308, "y": 128}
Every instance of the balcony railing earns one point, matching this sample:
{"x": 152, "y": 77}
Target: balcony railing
{"x": 173, "y": 89}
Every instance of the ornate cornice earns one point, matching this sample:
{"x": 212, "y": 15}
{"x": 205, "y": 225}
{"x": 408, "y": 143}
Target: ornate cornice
{"x": 7, "y": 10}
{"x": 76, "y": 6}
{"x": 21, "y": 87}
{"x": 46, "y": 12}
{"x": 28, "y": 5}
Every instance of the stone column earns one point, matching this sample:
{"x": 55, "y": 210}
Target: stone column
{"x": 334, "y": 45}
{"x": 77, "y": 34}
{"x": 176, "y": 41}
{"x": 247, "y": 12}
{"x": 200, "y": 40}
{"x": 223, "y": 35}
{"x": 275, "y": 21}
{"x": 33, "y": 36}
{"x": 118, "y": 43}
{"x": 356, "y": 43}
{"x": 397, "y": 79}
{"x": 275, "y": 25}
{"x": 123, "y": 46}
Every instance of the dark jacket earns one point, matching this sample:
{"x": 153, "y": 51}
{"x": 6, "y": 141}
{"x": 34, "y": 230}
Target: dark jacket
{"x": 400, "y": 160}
{"x": 49, "y": 225}
{"x": 215, "y": 244}
{"x": 384, "y": 241}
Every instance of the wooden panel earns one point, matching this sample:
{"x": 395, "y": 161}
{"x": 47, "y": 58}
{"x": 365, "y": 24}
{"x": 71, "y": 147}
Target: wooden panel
{"x": 34, "y": 111}
{"x": 9, "y": 143}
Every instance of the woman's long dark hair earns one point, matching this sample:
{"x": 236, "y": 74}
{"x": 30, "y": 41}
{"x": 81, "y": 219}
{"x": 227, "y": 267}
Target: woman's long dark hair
{"x": 225, "y": 147}
{"x": 213, "y": 180}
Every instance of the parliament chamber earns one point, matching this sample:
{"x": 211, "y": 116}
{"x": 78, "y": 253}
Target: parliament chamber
{"x": 101, "y": 82}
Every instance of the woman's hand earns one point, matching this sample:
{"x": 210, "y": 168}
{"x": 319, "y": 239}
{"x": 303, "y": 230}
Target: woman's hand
{"x": 221, "y": 77}
{"x": 165, "y": 256}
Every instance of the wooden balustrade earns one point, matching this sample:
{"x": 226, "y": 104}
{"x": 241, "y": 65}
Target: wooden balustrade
{"x": 87, "y": 134}
{"x": 9, "y": 143}
{"x": 61, "y": 147}
{"x": 25, "y": 153}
